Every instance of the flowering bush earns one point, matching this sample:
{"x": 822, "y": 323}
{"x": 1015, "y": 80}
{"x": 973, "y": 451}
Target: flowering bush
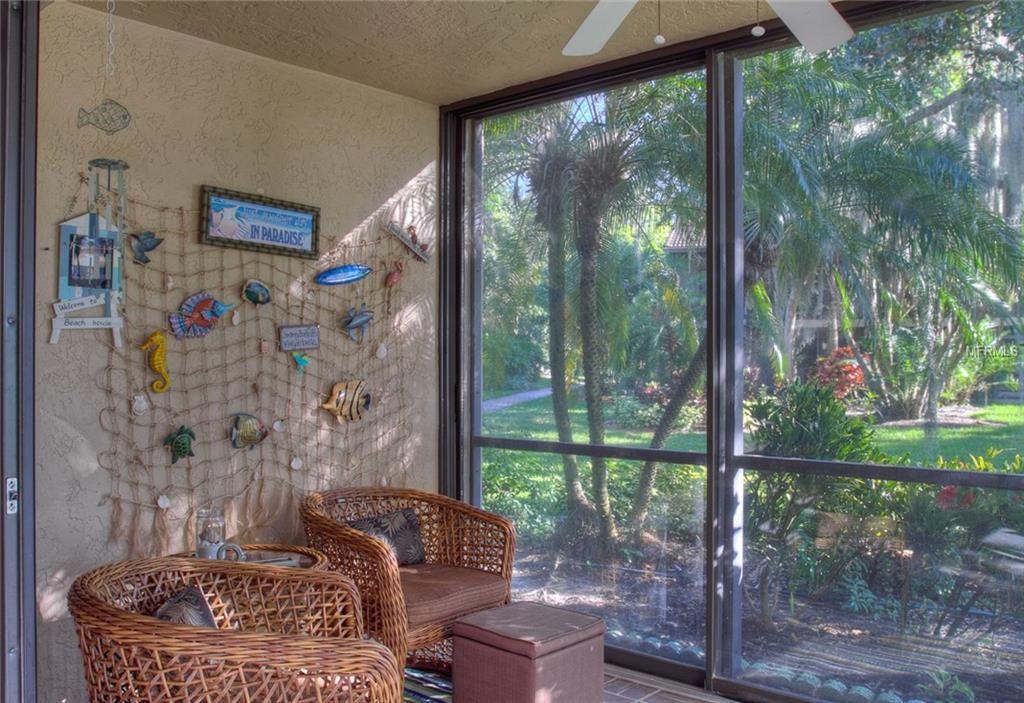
{"x": 840, "y": 372}
{"x": 950, "y": 497}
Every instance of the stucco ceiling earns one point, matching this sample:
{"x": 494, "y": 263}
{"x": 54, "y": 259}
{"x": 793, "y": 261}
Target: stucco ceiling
{"x": 440, "y": 51}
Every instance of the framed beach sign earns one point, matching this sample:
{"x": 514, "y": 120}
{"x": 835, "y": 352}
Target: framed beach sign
{"x": 244, "y": 221}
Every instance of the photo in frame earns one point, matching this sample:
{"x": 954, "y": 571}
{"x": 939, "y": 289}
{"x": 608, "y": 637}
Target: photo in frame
{"x": 245, "y": 221}
{"x": 90, "y": 258}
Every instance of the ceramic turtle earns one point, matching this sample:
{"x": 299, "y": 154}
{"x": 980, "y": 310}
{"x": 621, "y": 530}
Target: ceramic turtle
{"x": 180, "y": 442}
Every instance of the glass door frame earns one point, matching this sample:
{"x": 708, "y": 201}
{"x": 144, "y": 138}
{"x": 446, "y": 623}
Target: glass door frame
{"x": 19, "y": 60}
{"x": 460, "y": 439}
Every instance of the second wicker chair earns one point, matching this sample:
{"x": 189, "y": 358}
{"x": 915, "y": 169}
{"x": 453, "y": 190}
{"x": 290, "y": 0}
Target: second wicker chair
{"x": 282, "y": 634}
{"x": 411, "y": 609}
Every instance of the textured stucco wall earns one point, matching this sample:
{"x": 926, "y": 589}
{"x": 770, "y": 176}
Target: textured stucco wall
{"x": 202, "y": 113}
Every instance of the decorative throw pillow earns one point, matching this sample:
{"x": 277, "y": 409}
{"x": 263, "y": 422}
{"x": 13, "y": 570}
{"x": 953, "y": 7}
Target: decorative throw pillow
{"x": 187, "y": 607}
{"x": 400, "y": 530}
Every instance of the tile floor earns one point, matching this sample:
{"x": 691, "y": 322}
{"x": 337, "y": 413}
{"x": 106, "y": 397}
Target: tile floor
{"x": 625, "y": 686}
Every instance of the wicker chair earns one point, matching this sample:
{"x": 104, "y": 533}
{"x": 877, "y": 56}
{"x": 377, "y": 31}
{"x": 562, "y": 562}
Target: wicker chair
{"x": 411, "y": 609}
{"x": 284, "y": 635}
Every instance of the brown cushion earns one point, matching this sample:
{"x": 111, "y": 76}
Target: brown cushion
{"x": 435, "y": 593}
{"x": 528, "y": 628}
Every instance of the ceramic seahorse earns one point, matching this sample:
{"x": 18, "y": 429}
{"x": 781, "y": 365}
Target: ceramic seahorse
{"x": 156, "y": 345}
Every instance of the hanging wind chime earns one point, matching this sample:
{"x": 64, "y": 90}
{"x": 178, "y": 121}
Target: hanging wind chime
{"x": 92, "y": 245}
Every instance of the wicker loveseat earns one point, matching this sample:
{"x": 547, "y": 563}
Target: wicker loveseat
{"x": 411, "y": 609}
{"x": 284, "y": 635}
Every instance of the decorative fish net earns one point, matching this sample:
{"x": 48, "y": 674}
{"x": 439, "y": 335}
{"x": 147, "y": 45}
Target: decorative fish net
{"x": 225, "y": 372}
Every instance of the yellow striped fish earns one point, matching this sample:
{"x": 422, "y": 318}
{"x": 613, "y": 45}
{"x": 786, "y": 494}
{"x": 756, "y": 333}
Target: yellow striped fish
{"x": 347, "y": 401}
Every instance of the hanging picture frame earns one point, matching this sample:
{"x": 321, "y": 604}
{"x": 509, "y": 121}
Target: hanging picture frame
{"x": 89, "y": 276}
{"x": 230, "y": 218}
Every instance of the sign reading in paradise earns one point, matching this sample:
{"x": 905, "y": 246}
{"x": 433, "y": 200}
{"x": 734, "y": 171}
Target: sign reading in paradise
{"x": 245, "y": 221}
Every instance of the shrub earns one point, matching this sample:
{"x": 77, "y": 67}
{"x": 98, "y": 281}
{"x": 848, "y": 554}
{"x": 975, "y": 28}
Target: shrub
{"x": 628, "y": 412}
{"x": 839, "y": 372}
{"x": 807, "y": 420}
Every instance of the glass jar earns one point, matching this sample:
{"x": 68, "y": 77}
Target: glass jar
{"x": 209, "y": 532}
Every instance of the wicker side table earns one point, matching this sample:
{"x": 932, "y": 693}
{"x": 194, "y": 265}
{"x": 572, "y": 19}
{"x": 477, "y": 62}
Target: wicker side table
{"x": 307, "y": 557}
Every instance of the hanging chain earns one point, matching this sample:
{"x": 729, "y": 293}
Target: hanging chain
{"x": 109, "y": 67}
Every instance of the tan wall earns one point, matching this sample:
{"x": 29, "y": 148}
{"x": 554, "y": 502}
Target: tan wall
{"x": 203, "y": 113}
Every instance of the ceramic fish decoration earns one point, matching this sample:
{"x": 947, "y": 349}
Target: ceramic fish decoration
{"x": 156, "y": 345}
{"x": 256, "y": 292}
{"x": 180, "y": 442}
{"x": 342, "y": 275}
{"x": 348, "y": 401}
{"x": 199, "y": 313}
{"x": 109, "y": 116}
{"x": 142, "y": 244}
{"x": 301, "y": 362}
{"x": 247, "y": 431}
{"x": 357, "y": 321}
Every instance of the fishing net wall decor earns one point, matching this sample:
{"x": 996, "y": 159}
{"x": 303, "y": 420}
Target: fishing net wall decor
{"x": 240, "y": 369}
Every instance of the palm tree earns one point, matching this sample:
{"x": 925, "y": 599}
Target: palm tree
{"x": 549, "y": 174}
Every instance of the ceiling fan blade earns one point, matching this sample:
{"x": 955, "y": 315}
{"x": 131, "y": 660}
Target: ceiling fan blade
{"x": 817, "y": 24}
{"x": 598, "y": 27}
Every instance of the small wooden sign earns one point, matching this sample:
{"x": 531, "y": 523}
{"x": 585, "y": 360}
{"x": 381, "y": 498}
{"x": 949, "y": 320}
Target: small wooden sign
{"x": 65, "y": 306}
{"x": 299, "y": 337}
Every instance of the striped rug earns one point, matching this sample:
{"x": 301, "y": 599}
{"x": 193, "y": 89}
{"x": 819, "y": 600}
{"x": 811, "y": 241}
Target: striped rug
{"x": 426, "y": 687}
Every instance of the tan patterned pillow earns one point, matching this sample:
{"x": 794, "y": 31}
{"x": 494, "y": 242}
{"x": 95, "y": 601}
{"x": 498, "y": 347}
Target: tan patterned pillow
{"x": 187, "y": 607}
{"x": 400, "y": 530}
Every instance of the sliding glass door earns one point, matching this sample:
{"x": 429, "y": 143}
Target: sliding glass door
{"x": 591, "y": 268}
{"x": 883, "y": 552}
{"x": 741, "y": 357}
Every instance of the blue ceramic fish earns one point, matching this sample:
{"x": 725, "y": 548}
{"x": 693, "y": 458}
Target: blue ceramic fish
{"x": 256, "y": 292}
{"x": 340, "y": 275}
{"x": 143, "y": 243}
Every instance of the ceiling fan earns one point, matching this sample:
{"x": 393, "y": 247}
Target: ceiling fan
{"x": 815, "y": 23}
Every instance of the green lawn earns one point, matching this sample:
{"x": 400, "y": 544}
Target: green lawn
{"x": 959, "y": 441}
{"x": 534, "y": 420}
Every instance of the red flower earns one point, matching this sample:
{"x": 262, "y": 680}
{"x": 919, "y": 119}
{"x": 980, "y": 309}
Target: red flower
{"x": 967, "y": 499}
{"x": 946, "y": 499}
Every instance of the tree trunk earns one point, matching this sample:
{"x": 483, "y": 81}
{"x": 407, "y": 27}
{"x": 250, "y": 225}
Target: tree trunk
{"x": 593, "y": 367}
{"x": 682, "y": 391}
{"x": 588, "y": 246}
{"x": 548, "y": 180}
{"x": 577, "y": 503}
{"x": 1012, "y": 147}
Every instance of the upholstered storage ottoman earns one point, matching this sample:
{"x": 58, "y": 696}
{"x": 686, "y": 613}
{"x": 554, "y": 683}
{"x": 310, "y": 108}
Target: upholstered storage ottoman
{"x": 528, "y": 653}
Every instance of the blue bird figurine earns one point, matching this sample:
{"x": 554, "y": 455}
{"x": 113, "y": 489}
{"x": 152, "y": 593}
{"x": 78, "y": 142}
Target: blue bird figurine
{"x": 301, "y": 362}
{"x": 141, "y": 244}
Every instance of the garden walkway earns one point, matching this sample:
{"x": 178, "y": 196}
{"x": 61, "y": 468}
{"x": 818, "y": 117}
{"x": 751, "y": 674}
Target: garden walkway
{"x": 507, "y": 401}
